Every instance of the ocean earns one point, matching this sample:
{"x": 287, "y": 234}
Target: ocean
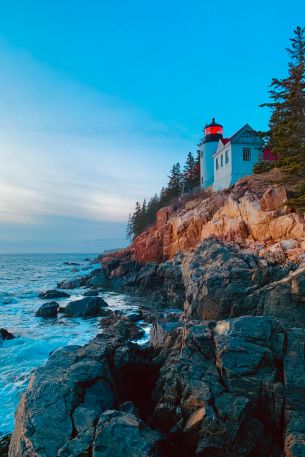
{"x": 22, "y": 277}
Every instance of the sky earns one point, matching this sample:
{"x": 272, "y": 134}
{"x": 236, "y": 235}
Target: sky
{"x": 99, "y": 98}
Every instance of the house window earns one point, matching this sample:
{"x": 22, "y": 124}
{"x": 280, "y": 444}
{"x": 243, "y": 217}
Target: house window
{"x": 217, "y": 164}
{"x": 246, "y": 154}
{"x": 227, "y": 157}
{"x": 221, "y": 160}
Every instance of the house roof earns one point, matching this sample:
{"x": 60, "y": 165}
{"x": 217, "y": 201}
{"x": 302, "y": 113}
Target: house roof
{"x": 244, "y": 127}
{"x": 232, "y": 138}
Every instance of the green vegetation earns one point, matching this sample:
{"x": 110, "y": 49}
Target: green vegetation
{"x": 286, "y": 135}
{"x": 179, "y": 182}
{"x": 263, "y": 166}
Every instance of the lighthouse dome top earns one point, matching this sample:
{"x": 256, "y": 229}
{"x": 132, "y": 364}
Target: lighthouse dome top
{"x": 213, "y": 131}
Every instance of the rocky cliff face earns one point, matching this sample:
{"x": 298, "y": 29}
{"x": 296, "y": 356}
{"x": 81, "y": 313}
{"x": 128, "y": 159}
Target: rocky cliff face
{"x": 224, "y": 377}
{"x": 252, "y": 214}
{"x": 205, "y": 388}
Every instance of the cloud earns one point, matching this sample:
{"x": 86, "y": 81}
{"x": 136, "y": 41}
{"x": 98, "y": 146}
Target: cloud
{"x": 67, "y": 151}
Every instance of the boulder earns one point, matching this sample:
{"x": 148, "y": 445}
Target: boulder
{"x": 274, "y": 198}
{"x": 49, "y": 309}
{"x": 134, "y": 316}
{"x": 160, "y": 332}
{"x": 52, "y": 294}
{"x": 91, "y": 293}
{"x": 45, "y": 417}
{"x": 5, "y": 335}
{"x": 70, "y": 283}
{"x": 98, "y": 279}
{"x": 120, "y": 434}
{"x": 86, "y": 307}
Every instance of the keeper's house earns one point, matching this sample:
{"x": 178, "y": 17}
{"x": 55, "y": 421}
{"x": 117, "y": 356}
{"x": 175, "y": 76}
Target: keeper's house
{"x": 225, "y": 160}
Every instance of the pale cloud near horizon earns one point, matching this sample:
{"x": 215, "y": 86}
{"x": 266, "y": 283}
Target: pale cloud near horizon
{"x": 68, "y": 151}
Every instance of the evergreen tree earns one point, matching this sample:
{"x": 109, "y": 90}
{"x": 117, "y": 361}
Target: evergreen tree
{"x": 136, "y": 220}
{"x": 153, "y": 206}
{"x": 174, "y": 182}
{"x": 191, "y": 171}
{"x": 286, "y": 136}
{"x": 163, "y": 197}
{"x": 196, "y": 174}
{"x": 188, "y": 171}
{"x": 129, "y": 229}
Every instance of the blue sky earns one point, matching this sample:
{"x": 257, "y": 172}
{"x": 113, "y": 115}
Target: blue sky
{"x": 99, "y": 98}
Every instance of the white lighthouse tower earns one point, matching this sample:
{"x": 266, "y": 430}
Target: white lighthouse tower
{"x": 213, "y": 132}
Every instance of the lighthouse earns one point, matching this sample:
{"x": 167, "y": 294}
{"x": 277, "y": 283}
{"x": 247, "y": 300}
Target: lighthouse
{"x": 213, "y": 132}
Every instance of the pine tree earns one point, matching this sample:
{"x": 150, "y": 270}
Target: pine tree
{"x": 174, "y": 182}
{"x": 189, "y": 172}
{"x": 286, "y": 136}
{"x": 136, "y": 220}
{"x": 197, "y": 170}
{"x": 129, "y": 229}
{"x": 153, "y": 206}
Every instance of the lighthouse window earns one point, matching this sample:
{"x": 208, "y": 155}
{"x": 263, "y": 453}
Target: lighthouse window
{"x": 246, "y": 154}
{"x": 221, "y": 160}
{"x": 227, "y": 157}
{"x": 217, "y": 164}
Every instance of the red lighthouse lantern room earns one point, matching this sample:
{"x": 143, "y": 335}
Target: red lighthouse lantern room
{"x": 213, "y": 131}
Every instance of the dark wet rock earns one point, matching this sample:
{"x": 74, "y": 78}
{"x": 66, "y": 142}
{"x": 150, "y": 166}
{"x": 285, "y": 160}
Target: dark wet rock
{"x": 49, "y": 309}
{"x": 120, "y": 434}
{"x": 283, "y": 299}
{"x": 160, "y": 332}
{"x": 134, "y": 316}
{"x": 98, "y": 279}
{"x": 72, "y": 263}
{"x": 218, "y": 280}
{"x": 75, "y": 270}
{"x": 4, "y": 444}
{"x": 5, "y": 335}
{"x": 71, "y": 283}
{"x": 87, "y": 259}
{"x": 91, "y": 293}
{"x": 54, "y": 293}
{"x": 86, "y": 307}
{"x": 221, "y": 280}
{"x": 125, "y": 329}
{"x": 219, "y": 391}
{"x": 129, "y": 407}
{"x": 211, "y": 388}
{"x": 294, "y": 377}
{"x": 61, "y": 413}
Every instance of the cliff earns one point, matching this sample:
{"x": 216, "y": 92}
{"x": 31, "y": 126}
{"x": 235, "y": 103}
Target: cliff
{"x": 224, "y": 376}
{"x": 253, "y": 214}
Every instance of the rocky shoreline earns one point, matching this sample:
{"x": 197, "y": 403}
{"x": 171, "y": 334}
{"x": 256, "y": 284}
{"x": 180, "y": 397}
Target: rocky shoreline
{"x": 224, "y": 376}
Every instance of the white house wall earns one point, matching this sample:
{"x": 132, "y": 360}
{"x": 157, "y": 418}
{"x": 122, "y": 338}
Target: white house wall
{"x": 222, "y": 176}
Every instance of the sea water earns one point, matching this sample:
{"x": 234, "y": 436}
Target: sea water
{"x": 22, "y": 277}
